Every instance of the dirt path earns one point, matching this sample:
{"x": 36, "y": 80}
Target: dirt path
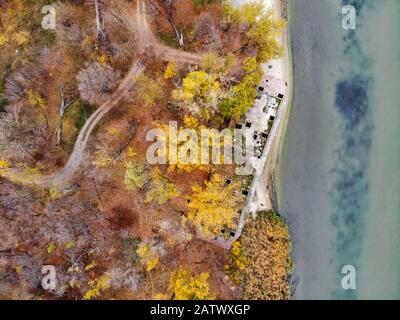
{"x": 146, "y": 39}
{"x": 80, "y": 145}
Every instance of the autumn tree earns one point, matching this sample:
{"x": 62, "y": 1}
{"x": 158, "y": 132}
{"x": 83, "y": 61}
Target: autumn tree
{"x": 194, "y": 153}
{"x": 263, "y": 35}
{"x": 266, "y": 247}
{"x": 185, "y": 285}
{"x": 96, "y": 82}
{"x": 213, "y": 63}
{"x": 262, "y": 28}
{"x": 161, "y": 189}
{"x": 170, "y": 71}
{"x": 22, "y": 81}
{"x": 21, "y": 137}
{"x": 198, "y": 93}
{"x": 120, "y": 32}
{"x": 97, "y": 286}
{"x": 208, "y": 31}
{"x": 4, "y": 164}
{"x": 149, "y": 253}
{"x": 135, "y": 176}
{"x": 241, "y": 96}
{"x": 214, "y": 207}
{"x": 237, "y": 262}
{"x": 19, "y": 25}
{"x": 149, "y": 91}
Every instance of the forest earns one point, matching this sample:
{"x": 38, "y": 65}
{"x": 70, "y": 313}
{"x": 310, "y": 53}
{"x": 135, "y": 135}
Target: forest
{"x": 76, "y": 191}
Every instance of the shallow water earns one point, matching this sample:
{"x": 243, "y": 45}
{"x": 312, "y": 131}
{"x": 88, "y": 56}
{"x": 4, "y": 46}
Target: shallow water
{"x": 338, "y": 182}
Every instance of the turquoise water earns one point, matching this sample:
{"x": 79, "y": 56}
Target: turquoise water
{"x": 338, "y": 183}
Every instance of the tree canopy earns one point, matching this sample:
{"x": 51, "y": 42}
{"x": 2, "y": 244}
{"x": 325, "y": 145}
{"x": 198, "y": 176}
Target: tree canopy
{"x": 262, "y": 28}
{"x": 214, "y": 207}
{"x": 241, "y": 96}
{"x": 199, "y": 91}
{"x": 185, "y": 285}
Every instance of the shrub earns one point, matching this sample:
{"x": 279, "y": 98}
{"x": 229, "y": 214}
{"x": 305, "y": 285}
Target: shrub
{"x": 135, "y": 176}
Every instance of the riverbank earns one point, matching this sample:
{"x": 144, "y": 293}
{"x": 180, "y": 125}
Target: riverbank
{"x": 270, "y": 172}
{"x": 279, "y": 69}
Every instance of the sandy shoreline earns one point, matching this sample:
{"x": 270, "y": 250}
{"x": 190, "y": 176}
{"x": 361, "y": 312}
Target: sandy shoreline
{"x": 282, "y": 69}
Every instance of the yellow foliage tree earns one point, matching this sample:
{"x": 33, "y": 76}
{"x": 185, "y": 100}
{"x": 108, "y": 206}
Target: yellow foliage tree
{"x": 149, "y": 91}
{"x": 96, "y": 287}
{"x": 237, "y": 262}
{"x": 212, "y": 62}
{"x": 199, "y": 92}
{"x": 200, "y": 160}
{"x": 241, "y": 96}
{"x": 135, "y": 176}
{"x": 266, "y": 246}
{"x": 263, "y": 28}
{"x": 36, "y": 100}
{"x": 250, "y": 64}
{"x": 148, "y": 257}
{"x": 103, "y": 160}
{"x": 4, "y": 164}
{"x": 160, "y": 296}
{"x": 55, "y": 191}
{"x": 18, "y": 23}
{"x": 21, "y": 37}
{"x": 11, "y": 36}
{"x": 197, "y": 84}
{"x": 161, "y": 190}
{"x": 171, "y": 71}
{"x": 51, "y": 247}
{"x": 3, "y": 39}
{"x": 263, "y": 35}
{"x": 214, "y": 207}
{"x": 185, "y": 285}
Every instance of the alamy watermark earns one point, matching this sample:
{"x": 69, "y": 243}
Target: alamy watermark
{"x": 349, "y": 19}
{"x": 188, "y": 146}
{"x": 49, "y": 20}
{"x": 349, "y": 280}
{"x": 49, "y": 280}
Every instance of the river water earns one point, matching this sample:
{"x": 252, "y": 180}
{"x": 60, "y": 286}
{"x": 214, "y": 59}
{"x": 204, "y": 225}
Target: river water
{"x": 338, "y": 183}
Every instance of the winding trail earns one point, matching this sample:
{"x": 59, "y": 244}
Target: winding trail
{"x": 80, "y": 145}
{"x": 146, "y": 40}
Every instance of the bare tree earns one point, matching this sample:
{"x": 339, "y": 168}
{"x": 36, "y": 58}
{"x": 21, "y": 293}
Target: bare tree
{"x": 96, "y": 82}
{"x": 21, "y": 80}
{"x": 165, "y": 7}
{"x": 132, "y": 135}
{"x": 21, "y": 136}
{"x": 99, "y": 19}
{"x": 67, "y": 100}
{"x": 102, "y": 35}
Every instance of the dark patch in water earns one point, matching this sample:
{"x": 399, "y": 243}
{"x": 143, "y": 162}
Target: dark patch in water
{"x": 350, "y": 191}
{"x": 352, "y": 100}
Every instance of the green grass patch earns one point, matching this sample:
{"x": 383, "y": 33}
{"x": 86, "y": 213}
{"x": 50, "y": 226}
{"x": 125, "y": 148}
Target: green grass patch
{"x": 168, "y": 39}
{"x": 79, "y": 113}
{"x": 203, "y": 3}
